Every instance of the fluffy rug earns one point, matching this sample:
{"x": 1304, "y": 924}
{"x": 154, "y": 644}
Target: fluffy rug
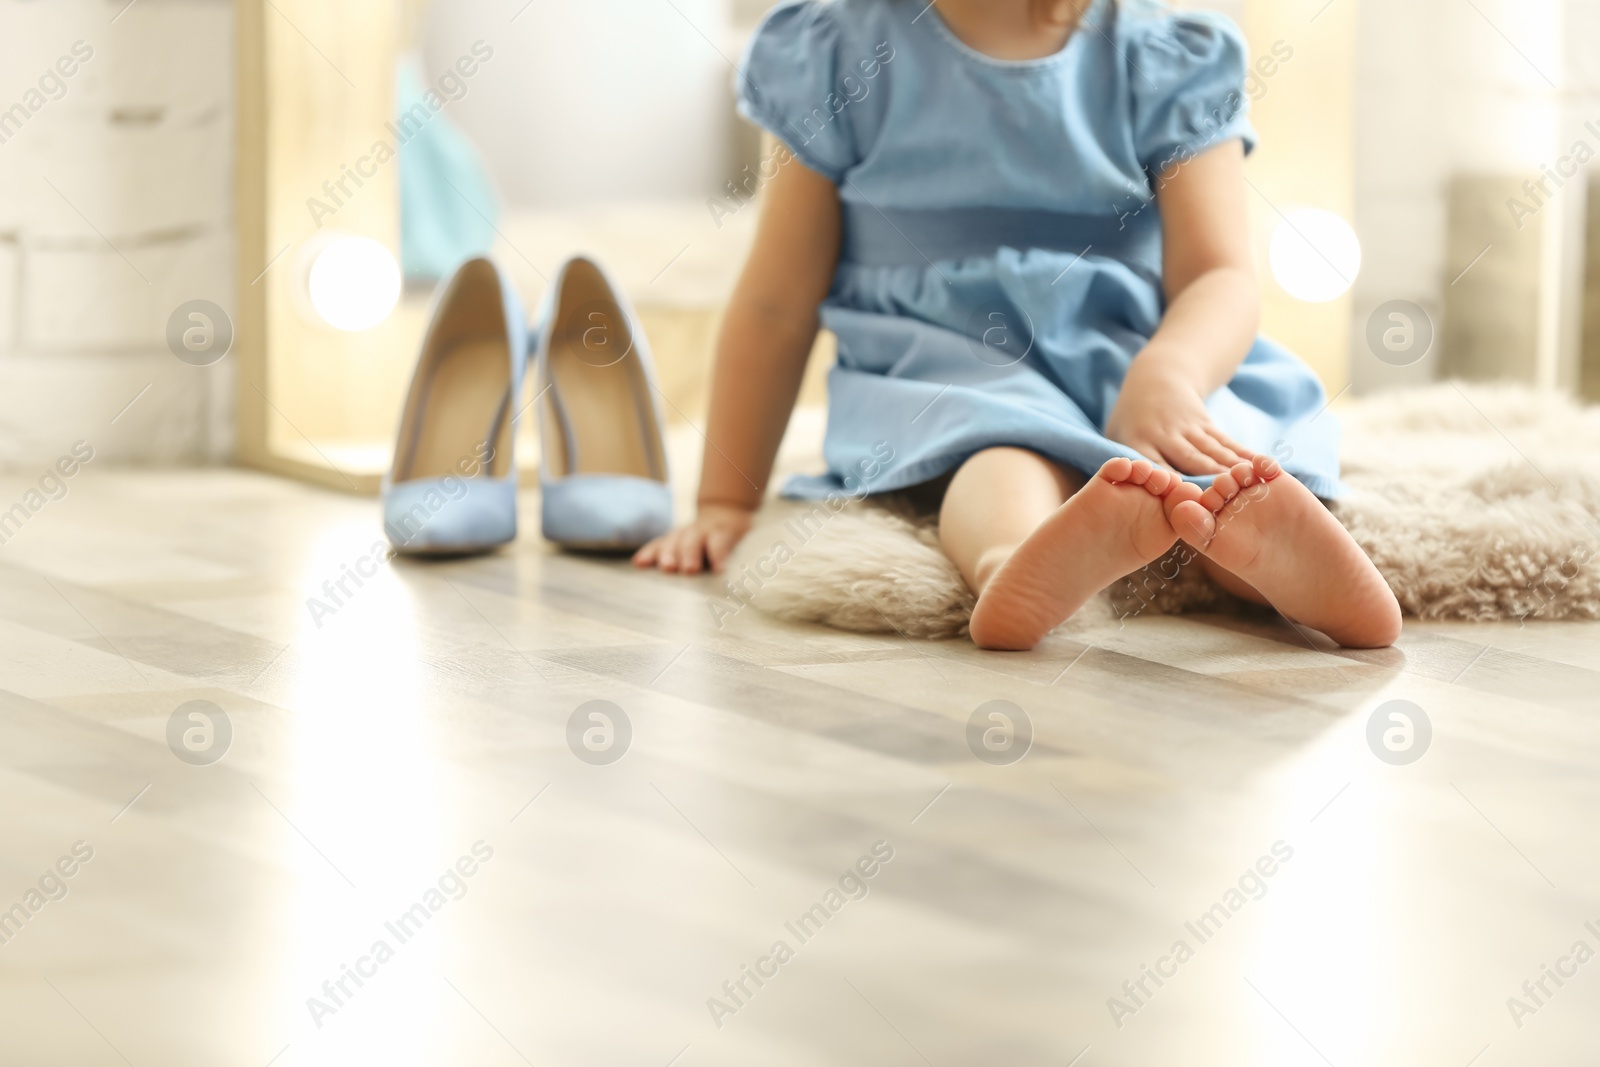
{"x": 1476, "y": 502}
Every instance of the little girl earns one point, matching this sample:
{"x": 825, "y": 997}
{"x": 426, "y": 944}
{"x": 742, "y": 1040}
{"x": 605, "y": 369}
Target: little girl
{"x": 1025, "y": 222}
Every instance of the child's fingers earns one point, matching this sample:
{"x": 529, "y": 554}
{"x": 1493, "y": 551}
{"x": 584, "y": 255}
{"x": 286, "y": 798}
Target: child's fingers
{"x": 669, "y": 551}
{"x": 691, "y": 550}
{"x": 719, "y": 546}
{"x": 1183, "y": 456}
{"x": 1243, "y": 453}
{"x": 687, "y": 551}
{"x": 1208, "y": 444}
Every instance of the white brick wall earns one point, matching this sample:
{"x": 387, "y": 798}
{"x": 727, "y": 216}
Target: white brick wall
{"x": 115, "y": 207}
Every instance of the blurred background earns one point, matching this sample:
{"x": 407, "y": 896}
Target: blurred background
{"x": 1426, "y": 159}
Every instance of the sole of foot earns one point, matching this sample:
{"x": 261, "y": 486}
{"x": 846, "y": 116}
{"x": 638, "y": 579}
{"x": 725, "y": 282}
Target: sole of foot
{"x": 1259, "y": 523}
{"x": 1111, "y": 527}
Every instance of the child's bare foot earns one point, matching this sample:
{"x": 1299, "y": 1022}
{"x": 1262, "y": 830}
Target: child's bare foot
{"x": 1111, "y": 527}
{"x": 1261, "y": 525}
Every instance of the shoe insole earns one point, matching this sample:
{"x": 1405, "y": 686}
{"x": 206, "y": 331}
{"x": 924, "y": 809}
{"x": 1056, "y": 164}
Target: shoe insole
{"x": 469, "y": 386}
{"x": 602, "y": 409}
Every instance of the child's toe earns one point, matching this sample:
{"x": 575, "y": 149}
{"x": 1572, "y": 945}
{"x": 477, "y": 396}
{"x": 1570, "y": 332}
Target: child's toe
{"x": 1116, "y": 469}
{"x": 1266, "y": 467}
{"x": 1193, "y": 522}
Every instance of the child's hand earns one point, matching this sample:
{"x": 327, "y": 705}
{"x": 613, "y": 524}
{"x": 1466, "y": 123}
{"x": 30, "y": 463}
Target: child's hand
{"x": 1160, "y": 415}
{"x": 709, "y": 539}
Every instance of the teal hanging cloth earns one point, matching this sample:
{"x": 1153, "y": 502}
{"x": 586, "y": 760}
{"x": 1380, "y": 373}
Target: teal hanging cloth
{"x": 448, "y": 207}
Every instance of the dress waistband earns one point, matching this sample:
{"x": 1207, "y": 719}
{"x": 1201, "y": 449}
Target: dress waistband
{"x": 901, "y": 237}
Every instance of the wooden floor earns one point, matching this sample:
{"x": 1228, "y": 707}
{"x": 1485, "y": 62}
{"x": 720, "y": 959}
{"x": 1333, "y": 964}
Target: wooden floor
{"x": 423, "y": 723}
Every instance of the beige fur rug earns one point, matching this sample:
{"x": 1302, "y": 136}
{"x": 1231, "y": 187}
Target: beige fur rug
{"x": 1475, "y": 501}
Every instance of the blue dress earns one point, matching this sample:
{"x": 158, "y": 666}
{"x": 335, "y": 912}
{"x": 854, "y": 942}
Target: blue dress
{"x": 1001, "y": 249}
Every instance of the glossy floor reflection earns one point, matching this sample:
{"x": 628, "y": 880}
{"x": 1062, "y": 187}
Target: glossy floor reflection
{"x": 413, "y": 852}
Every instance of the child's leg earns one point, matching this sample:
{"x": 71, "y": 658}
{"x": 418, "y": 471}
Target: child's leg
{"x": 1267, "y": 534}
{"x": 994, "y": 502}
{"x": 1033, "y": 559}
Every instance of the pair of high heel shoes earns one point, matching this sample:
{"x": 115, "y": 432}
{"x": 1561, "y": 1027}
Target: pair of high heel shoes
{"x": 452, "y": 489}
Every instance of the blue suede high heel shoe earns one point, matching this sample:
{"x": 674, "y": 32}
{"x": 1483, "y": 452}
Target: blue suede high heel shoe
{"x": 603, "y": 457}
{"x": 452, "y": 488}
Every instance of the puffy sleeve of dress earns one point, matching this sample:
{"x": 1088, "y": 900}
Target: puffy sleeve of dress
{"x": 1187, "y": 73}
{"x": 791, "y": 85}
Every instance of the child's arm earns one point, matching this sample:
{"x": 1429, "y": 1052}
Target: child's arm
{"x": 1213, "y": 309}
{"x": 767, "y": 333}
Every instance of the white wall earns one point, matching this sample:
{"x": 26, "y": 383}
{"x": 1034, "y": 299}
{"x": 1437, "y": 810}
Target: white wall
{"x": 594, "y": 101}
{"x": 1447, "y": 87}
{"x": 1580, "y": 106}
{"x": 115, "y": 207}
